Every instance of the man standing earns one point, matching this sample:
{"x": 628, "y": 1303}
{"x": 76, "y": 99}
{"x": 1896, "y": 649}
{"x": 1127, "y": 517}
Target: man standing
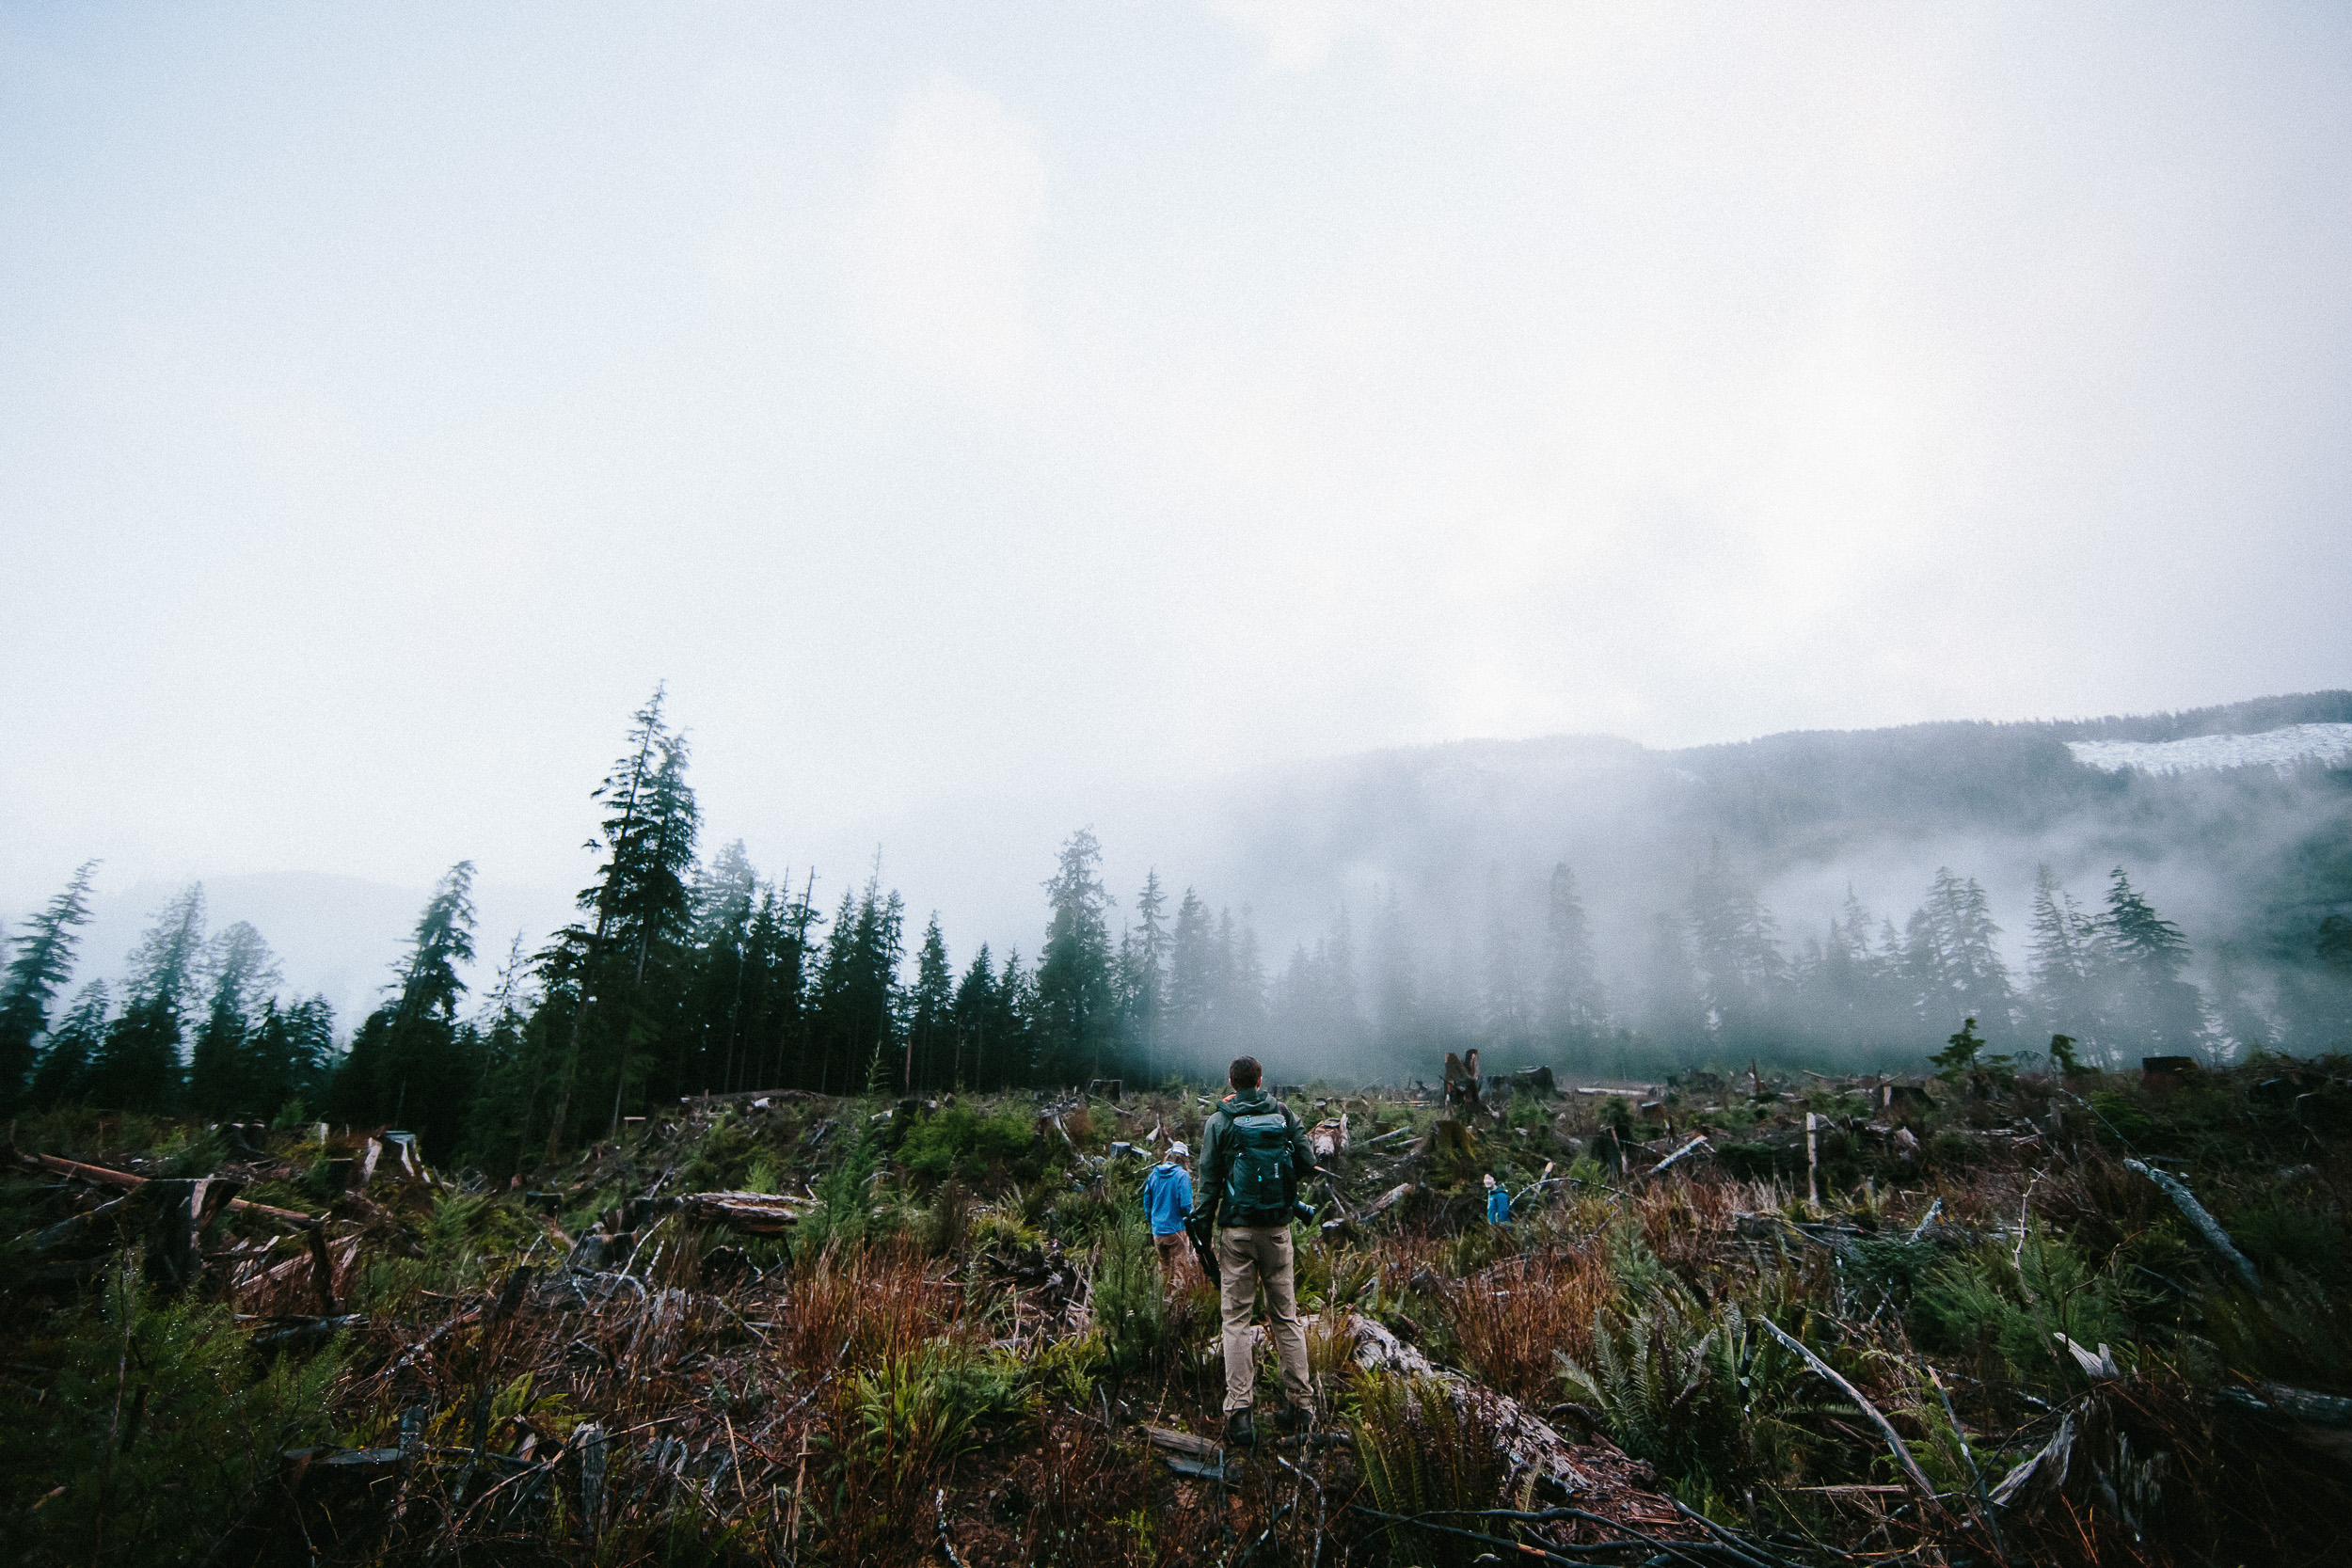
{"x": 1253, "y": 1155}
{"x": 1166, "y": 1199}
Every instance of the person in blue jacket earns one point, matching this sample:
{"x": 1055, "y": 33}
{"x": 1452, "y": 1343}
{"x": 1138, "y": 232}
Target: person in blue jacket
{"x": 1498, "y": 1202}
{"x": 1166, "y": 1199}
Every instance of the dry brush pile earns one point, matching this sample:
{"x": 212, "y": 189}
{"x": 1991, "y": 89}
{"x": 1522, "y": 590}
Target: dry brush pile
{"x": 1732, "y": 1322}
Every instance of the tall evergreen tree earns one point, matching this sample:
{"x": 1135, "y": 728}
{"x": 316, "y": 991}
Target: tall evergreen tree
{"x": 777, "y": 1018}
{"x": 63, "y": 1075}
{"x": 856, "y": 1020}
{"x": 595, "y": 975}
{"x": 43, "y": 962}
{"x": 1674, "y": 1001}
{"x": 719, "y": 981}
{"x": 1143, "y": 977}
{"x": 1193, "y": 981}
{"x": 2058, "y": 965}
{"x": 931, "y": 1013}
{"x": 1952, "y": 958}
{"x": 1240, "y": 1015}
{"x": 974, "y": 1021}
{"x": 2144, "y": 956}
{"x": 412, "y": 1060}
{"x": 1576, "y": 1011}
{"x": 1738, "y": 949}
{"x": 1077, "y": 990}
{"x": 1507, "y": 1014}
{"x": 244, "y": 977}
{"x": 137, "y": 1066}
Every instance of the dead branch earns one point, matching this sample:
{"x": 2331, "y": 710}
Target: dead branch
{"x": 1887, "y": 1428}
{"x": 2207, "y": 1227}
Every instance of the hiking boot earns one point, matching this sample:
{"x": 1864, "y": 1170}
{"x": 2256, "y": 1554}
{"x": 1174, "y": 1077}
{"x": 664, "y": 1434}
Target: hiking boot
{"x": 1291, "y": 1419}
{"x": 1240, "y": 1431}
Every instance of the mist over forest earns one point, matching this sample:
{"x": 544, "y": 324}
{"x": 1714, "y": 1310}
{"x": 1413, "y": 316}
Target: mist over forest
{"x": 2168, "y": 885}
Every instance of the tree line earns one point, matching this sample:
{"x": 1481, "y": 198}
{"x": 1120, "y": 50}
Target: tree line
{"x": 680, "y": 975}
{"x": 684, "y": 974}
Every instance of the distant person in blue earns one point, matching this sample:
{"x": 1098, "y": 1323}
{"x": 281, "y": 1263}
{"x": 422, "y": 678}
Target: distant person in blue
{"x": 1498, "y": 1202}
{"x": 1166, "y": 1199}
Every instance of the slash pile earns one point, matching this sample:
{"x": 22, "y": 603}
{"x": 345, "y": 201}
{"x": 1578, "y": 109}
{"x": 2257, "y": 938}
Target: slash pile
{"x": 1986, "y": 1320}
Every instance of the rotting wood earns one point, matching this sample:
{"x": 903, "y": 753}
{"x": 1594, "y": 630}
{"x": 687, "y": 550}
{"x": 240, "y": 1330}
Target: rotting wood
{"x": 1386, "y": 1201}
{"x": 1660, "y": 1168}
{"x": 1182, "y": 1442}
{"x": 762, "y": 1214}
{"x": 2207, "y": 1227}
{"x": 1528, "y": 1443}
{"x": 126, "y": 1178}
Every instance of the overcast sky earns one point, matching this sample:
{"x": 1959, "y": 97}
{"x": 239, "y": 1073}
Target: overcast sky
{"x": 1013, "y": 402}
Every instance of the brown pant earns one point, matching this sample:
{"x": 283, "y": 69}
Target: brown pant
{"x": 1244, "y": 1258}
{"x": 1173, "y": 1251}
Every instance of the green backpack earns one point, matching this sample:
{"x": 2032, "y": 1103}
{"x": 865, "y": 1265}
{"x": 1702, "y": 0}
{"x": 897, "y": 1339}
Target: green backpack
{"x": 1261, "y": 1180}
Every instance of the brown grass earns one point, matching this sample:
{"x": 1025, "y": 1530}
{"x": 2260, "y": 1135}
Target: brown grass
{"x": 1510, "y": 1317}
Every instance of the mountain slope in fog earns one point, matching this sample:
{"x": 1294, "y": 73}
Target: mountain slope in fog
{"x": 2233, "y": 820}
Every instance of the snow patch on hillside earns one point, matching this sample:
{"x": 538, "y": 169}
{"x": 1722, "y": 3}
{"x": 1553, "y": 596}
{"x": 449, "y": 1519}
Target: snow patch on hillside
{"x": 2327, "y": 743}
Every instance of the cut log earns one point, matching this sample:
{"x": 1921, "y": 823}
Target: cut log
{"x": 1527, "y": 1442}
{"x": 125, "y": 1179}
{"x": 1386, "y": 1201}
{"x": 1660, "y": 1168}
{"x": 1183, "y": 1442}
{"x": 762, "y": 1213}
{"x": 2206, "y": 1225}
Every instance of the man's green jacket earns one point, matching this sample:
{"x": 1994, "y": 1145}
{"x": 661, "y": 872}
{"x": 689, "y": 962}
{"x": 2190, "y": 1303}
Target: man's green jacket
{"x": 1217, "y": 1157}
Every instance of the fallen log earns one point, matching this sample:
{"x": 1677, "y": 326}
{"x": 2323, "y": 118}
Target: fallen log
{"x": 1182, "y": 1442}
{"x": 1660, "y": 1168}
{"x": 125, "y": 1179}
{"x": 2207, "y": 1227}
{"x": 1386, "y": 1201}
{"x": 762, "y": 1213}
{"x": 1528, "y": 1443}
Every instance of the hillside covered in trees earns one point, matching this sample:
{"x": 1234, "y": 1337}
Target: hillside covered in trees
{"x": 689, "y": 970}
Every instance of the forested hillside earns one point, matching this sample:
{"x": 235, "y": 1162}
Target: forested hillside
{"x": 1643, "y": 940}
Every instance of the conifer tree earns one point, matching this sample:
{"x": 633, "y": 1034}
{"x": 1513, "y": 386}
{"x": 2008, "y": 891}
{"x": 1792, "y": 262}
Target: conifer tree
{"x": 1952, "y": 958}
{"x": 2058, "y": 964}
{"x": 975, "y": 999}
{"x": 1143, "y": 978}
{"x": 1575, "y": 1008}
{"x": 1506, "y": 1015}
{"x": 245, "y": 975}
{"x": 719, "y": 986}
{"x": 1674, "y": 1004}
{"x": 595, "y": 975}
{"x": 1736, "y": 944}
{"x": 930, "y": 1011}
{"x": 1240, "y": 1015}
{"x": 1076, "y": 990}
{"x": 43, "y": 962}
{"x": 137, "y": 1066}
{"x": 2143, "y": 958}
{"x": 856, "y": 1001}
{"x": 63, "y": 1075}
{"x": 1014, "y": 1029}
{"x": 411, "y": 1060}
{"x": 1192, "y": 979}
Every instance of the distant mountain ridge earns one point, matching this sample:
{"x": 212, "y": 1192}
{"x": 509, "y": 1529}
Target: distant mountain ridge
{"x": 2247, "y": 855}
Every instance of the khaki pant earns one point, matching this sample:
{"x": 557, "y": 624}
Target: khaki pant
{"x": 1243, "y": 1257}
